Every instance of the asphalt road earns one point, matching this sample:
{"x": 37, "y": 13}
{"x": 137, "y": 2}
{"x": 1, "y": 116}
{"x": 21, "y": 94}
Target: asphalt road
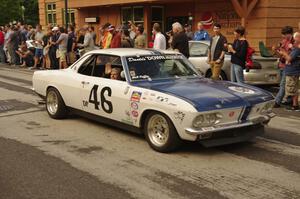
{"x": 77, "y": 158}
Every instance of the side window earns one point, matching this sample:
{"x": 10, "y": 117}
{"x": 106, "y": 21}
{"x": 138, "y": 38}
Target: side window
{"x": 198, "y": 50}
{"x": 110, "y": 67}
{"x": 87, "y": 67}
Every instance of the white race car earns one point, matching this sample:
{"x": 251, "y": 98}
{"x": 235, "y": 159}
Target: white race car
{"x": 158, "y": 93}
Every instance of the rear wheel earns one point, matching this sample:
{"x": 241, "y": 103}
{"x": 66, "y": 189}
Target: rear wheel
{"x": 160, "y": 133}
{"x": 55, "y": 105}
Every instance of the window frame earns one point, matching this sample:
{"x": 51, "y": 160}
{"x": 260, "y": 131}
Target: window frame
{"x": 132, "y": 18}
{"x": 162, "y": 22}
{"x": 52, "y": 12}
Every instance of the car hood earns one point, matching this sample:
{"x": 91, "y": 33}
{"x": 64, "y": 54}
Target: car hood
{"x": 206, "y": 94}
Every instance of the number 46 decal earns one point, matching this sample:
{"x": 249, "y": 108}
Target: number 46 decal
{"x": 93, "y": 99}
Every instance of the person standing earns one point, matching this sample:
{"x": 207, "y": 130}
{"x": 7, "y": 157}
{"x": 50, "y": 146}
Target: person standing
{"x": 201, "y": 34}
{"x": 216, "y": 52}
{"x": 126, "y": 41}
{"x": 62, "y": 48}
{"x": 2, "y": 53}
{"x": 180, "y": 41}
{"x": 140, "y": 40}
{"x": 38, "y": 39}
{"x": 88, "y": 43}
{"x": 107, "y": 36}
{"x": 53, "y": 48}
{"x": 238, "y": 52}
{"x": 188, "y": 31}
{"x": 71, "y": 45}
{"x": 160, "y": 39}
{"x": 286, "y": 44}
{"x": 292, "y": 72}
{"x": 116, "y": 39}
{"x": 13, "y": 44}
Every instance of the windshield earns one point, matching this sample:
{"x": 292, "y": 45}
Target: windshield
{"x": 159, "y": 67}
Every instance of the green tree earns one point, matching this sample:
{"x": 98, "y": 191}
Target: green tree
{"x": 31, "y": 11}
{"x": 10, "y": 10}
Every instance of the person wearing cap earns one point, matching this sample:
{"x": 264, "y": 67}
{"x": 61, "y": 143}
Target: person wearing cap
{"x": 216, "y": 52}
{"x": 107, "y": 36}
{"x": 53, "y": 48}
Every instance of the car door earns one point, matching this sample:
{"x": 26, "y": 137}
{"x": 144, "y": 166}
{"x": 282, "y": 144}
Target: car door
{"x": 198, "y": 56}
{"x": 72, "y": 81}
{"x": 103, "y": 96}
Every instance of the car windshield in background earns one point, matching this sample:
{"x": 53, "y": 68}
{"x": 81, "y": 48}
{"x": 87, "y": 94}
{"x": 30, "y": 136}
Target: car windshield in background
{"x": 159, "y": 67}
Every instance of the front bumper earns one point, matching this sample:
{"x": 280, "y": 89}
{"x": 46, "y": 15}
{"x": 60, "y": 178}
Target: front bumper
{"x": 206, "y": 132}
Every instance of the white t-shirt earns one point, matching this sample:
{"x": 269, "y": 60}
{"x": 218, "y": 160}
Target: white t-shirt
{"x": 160, "y": 42}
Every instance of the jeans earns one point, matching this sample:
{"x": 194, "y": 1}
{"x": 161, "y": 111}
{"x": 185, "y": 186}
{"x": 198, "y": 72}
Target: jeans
{"x": 237, "y": 74}
{"x": 2, "y": 54}
{"x": 281, "y": 92}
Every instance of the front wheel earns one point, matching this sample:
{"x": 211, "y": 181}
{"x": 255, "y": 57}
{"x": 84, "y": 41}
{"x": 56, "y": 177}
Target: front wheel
{"x": 160, "y": 133}
{"x": 55, "y": 105}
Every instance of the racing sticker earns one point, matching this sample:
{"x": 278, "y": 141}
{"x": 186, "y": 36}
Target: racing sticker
{"x": 134, "y": 113}
{"x": 179, "y": 115}
{"x": 134, "y": 106}
{"x": 241, "y": 89}
{"x": 136, "y": 96}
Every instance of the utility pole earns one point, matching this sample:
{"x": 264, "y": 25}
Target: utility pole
{"x": 66, "y": 15}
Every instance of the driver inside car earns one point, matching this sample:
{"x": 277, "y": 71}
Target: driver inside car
{"x": 115, "y": 74}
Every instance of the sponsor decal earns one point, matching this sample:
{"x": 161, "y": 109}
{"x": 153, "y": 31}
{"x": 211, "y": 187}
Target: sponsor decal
{"x": 240, "y": 89}
{"x": 231, "y": 114}
{"x": 172, "y": 104}
{"x": 153, "y": 58}
{"x": 162, "y": 99}
{"x": 134, "y": 106}
{"x": 179, "y": 115}
{"x": 134, "y": 113}
{"x": 136, "y": 96}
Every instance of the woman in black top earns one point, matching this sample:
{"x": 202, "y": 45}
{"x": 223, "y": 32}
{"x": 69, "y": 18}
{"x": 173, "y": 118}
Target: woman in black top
{"x": 238, "y": 52}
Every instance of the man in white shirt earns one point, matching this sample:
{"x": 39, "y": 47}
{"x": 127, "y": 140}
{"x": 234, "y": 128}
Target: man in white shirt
{"x": 160, "y": 39}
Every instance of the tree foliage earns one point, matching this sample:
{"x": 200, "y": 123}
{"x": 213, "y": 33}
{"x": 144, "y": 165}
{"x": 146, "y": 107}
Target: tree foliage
{"x": 31, "y": 14}
{"x": 19, "y": 10}
{"x": 10, "y": 10}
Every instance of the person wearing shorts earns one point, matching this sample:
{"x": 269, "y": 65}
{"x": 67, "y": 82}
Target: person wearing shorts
{"x": 292, "y": 71}
{"x": 62, "y": 48}
{"x": 38, "y": 39}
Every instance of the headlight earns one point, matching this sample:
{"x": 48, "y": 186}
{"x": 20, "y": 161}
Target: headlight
{"x": 206, "y": 120}
{"x": 267, "y": 108}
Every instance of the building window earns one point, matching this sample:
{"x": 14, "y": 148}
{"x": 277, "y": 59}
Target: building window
{"x": 157, "y": 16}
{"x": 134, "y": 14}
{"x": 71, "y": 16}
{"x": 51, "y": 13}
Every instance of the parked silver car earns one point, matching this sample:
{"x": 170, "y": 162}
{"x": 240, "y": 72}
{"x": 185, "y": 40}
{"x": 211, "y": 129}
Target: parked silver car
{"x": 264, "y": 72}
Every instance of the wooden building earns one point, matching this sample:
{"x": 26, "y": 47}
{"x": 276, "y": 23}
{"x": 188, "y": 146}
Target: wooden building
{"x": 263, "y": 19}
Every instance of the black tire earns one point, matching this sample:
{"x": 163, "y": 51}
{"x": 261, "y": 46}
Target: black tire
{"x": 173, "y": 140}
{"x": 61, "y": 111}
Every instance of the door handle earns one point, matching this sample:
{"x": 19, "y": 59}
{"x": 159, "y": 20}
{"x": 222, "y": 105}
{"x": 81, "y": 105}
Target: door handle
{"x": 84, "y": 82}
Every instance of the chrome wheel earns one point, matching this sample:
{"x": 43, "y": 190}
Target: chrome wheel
{"x": 158, "y": 130}
{"x": 52, "y": 102}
